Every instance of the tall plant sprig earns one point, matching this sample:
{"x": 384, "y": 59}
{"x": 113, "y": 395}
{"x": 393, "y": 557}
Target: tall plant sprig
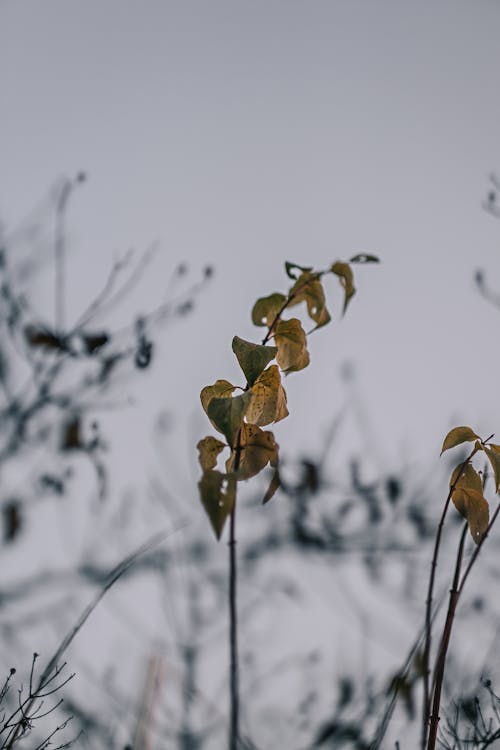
{"x": 466, "y": 492}
{"x": 261, "y": 402}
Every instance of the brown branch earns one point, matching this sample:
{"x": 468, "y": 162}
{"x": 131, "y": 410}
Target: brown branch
{"x": 233, "y": 617}
{"x": 443, "y": 648}
{"x": 428, "y": 603}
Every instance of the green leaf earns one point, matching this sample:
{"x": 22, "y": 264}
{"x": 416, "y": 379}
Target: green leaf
{"x": 208, "y": 449}
{"x": 308, "y": 288}
{"x": 266, "y": 309}
{"x": 227, "y": 415}
{"x": 344, "y": 272}
{"x": 473, "y": 506}
{"x": 217, "y": 492}
{"x": 364, "y": 258}
{"x": 290, "y": 267}
{"x": 220, "y": 389}
{"x": 469, "y": 478}
{"x": 253, "y": 358}
{"x": 493, "y": 453}
{"x": 458, "y": 435}
{"x": 268, "y": 403}
{"x": 290, "y": 338}
{"x": 258, "y": 448}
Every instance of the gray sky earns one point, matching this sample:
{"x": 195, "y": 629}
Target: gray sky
{"x": 244, "y": 134}
{"x": 241, "y": 135}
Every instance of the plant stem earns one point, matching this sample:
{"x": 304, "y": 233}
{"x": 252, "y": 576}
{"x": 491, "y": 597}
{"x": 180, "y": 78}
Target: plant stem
{"x": 233, "y": 637}
{"x": 478, "y": 550}
{"x": 234, "y": 687}
{"x": 443, "y": 648}
{"x": 428, "y": 624}
{"x": 60, "y": 252}
{"x": 428, "y": 606}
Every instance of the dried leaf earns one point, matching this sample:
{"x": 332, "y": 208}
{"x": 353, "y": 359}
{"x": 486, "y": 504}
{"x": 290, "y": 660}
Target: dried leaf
{"x": 42, "y": 337}
{"x": 344, "y": 272}
{"x": 253, "y": 358}
{"x": 273, "y": 485}
{"x": 473, "y": 506}
{"x": 266, "y": 309}
{"x": 493, "y": 453}
{"x": 258, "y": 448}
{"x": 268, "y": 403}
{"x": 290, "y": 268}
{"x": 208, "y": 449}
{"x": 364, "y": 258}
{"x": 469, "y": 478}
{"x": 71, "y": 438}
{"x": 12, "y": 520}
{"x": 308, "y": 288}
{"x": 458, "y": 435}
{"x": 290, "y": 338}
{"x": 217, "y": 492}
{"x": 94, "y": 341}
{"x": 220, "y": 389}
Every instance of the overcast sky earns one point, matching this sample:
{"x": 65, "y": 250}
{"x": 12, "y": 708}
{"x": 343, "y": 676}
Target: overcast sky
{"x": 244, "y": 134}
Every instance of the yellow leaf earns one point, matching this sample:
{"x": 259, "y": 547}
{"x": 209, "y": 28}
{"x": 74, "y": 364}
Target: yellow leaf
{"x": 268, "y": 403}
{"x": 469, "y": 478}
{"x": 460, "y": 501}
{"x": 474, "y": 507}
{"x": 493, "y": 453}
{"x": 208, "y": 449}
{"x": 346, "y": 278}
{"x": 266, "y": 309}
{"x": 220, "y": 389}
{"x": 290, "y": 338}
{"x": 258, "y": 448}
{"x": 308, "y": 288}
{"x": 217, "y": 492}
{"x": 458, "y": 435}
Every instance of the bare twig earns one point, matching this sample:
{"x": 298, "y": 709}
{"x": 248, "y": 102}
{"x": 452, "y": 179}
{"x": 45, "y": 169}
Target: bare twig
{"x": 51, "y": 667}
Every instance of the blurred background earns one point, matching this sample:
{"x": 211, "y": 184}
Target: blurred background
{"x": 160, "y": 161}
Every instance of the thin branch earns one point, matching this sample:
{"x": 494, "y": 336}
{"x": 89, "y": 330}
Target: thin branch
{"x": 428, "y": 604}
{"x": 478, "y": 550}
{"x": 60, "y": 255}
{"x": 445, "y": 640}
{"x": 102, "y": 297}
{"x": 114, "y": 575}
{"x": 233, "y": 618}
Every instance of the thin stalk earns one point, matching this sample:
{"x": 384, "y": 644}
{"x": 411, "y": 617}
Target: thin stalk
{"x": 233, "y": 610}
{"x": 233, "y": 637}
{"x": 428, "y": 606}
{"x": 46, "y": 678}
{"x": 234, "y": 683}
{"x": 445, "y": 641}
{"x": 477, "y": 550}
{"x": 60, "y": 257}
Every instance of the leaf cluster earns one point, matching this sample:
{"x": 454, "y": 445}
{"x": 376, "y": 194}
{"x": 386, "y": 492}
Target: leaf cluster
{"x": 466, "y": 484}
{"x": 262, "y": 400}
